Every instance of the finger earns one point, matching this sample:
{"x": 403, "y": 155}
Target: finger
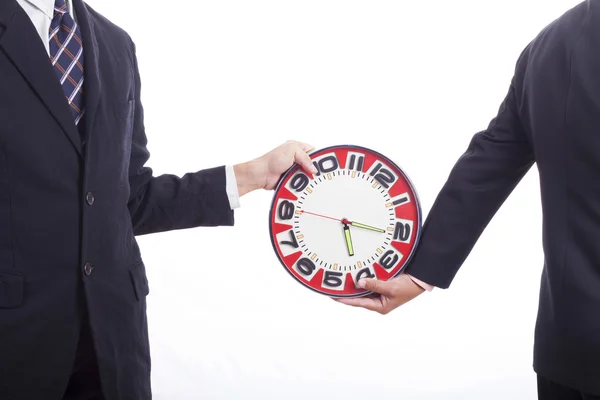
{"x": 372, "y": 304}
{"x": 374, "y": 285}
{"x": 304, "y": 161}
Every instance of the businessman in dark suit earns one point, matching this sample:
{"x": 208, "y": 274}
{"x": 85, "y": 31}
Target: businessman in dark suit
{"x": 75, "y": 190}
{"x": 550, "y": 117}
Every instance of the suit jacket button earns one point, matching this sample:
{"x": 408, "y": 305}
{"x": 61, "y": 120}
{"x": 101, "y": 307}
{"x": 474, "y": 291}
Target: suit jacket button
{"x": 89, "y": 197}
{"x": 87, "y": 268}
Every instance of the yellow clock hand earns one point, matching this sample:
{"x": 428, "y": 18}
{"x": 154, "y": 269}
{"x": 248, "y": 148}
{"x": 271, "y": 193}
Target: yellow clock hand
{"x": 359, "y": 225}
{"x": 348, "y": 240}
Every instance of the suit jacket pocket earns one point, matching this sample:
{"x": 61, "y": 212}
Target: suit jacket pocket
{"x": 11, "y": 289}
{"x": 139, "y": 280}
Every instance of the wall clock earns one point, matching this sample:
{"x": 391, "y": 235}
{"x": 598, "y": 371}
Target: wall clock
{"x": 358, "y": 217}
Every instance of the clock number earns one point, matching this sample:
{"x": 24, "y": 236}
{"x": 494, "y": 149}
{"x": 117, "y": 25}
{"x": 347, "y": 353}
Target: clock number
{"x": 387, "y": 261}
{"x": 383, "y": 175}
{"x": 333, "y": 279}
{"x": 402, "y": 231}
{"x": 293, "y": 242}
{"x": 321, "y": 166}
{"x": 299, "y": 182}
{"x": 287, "y": 242}
{"x": 356, "y": 162}
{"x": 364, "y": 273}
{"x": 400, "y": 200}
{"x": 305, "y": 266}
{"x": 286, "y": 209}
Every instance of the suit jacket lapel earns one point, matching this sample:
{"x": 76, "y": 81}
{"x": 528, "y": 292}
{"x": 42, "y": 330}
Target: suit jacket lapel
{"x": 92, "y": 84}
{"x": 21, "y": 43}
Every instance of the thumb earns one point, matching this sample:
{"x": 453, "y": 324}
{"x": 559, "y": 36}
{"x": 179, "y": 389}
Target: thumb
{"x": 374, "y": 285}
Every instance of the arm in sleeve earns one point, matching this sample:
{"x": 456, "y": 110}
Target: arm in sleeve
{"x": 479, "y": 183}
{"x": 168, "y": 202}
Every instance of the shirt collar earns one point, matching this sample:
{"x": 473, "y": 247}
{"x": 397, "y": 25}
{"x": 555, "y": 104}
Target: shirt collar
{"x": 47, "y": 6}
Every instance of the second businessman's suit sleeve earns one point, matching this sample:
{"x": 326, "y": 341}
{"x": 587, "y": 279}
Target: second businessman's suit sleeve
{"x": 168, "y": 202}
{"x": 478, "y": 184}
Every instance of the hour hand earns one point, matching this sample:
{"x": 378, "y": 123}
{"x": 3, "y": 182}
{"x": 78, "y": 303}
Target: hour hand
{"x": 363, "y": 226}
{"x": 348, "y": 240}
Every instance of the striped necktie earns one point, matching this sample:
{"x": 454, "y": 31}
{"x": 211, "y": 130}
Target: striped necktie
{"x": 66, "y": 55}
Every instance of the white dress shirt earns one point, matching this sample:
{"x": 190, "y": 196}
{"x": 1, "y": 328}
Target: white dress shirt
{"x": 41, "y": 13}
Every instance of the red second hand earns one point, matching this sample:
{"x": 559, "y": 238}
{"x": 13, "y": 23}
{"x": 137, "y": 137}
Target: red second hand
{"x": 322, "y": 216}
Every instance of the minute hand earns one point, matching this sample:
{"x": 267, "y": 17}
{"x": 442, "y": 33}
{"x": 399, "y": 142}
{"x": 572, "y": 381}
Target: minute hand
{"x": 359, "y": 225}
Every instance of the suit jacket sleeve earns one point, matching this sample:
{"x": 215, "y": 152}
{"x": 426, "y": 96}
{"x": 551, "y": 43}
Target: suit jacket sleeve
{"x": 168, "y": 202}
{"x": 478, "y": 184}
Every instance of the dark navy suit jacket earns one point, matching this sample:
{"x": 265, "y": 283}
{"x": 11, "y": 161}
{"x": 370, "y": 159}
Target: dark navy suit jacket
{"x": 71, "y": 204}
{"x": 550, "y": 118}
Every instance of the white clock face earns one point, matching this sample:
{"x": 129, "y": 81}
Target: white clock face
{"x": 357, "y": 217}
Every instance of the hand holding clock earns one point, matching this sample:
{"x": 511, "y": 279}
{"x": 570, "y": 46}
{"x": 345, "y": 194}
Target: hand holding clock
{"x": 264, "y": 172}
{"x": 387, "y": 295}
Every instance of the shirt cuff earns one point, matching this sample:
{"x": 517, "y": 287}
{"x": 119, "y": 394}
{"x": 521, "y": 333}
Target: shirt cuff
{"x": 424, "y": 285}
{"x": 231, "y": 188}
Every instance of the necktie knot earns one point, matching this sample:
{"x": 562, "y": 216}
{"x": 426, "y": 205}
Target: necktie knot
{"x": 60, "y": 7}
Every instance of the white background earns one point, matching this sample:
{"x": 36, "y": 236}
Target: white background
{"x": 226, "y": 81}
